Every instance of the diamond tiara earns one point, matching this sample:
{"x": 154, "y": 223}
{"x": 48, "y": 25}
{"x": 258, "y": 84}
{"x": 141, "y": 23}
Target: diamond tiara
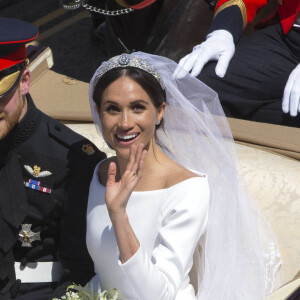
{"x": 127, "y": 60}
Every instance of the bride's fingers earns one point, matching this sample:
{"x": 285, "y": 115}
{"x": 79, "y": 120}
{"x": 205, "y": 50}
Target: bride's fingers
{"x": 111, "y": 174}
{"x": 137, "y": 157}
{"x": 141, "y": 163}
{"x": 132, "y": 153}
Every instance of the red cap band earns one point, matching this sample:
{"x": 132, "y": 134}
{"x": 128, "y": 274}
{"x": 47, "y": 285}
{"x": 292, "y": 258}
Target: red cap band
{"x": 13, "y": 58}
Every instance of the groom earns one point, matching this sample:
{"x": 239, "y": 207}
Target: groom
{"x": 45, "y": 171}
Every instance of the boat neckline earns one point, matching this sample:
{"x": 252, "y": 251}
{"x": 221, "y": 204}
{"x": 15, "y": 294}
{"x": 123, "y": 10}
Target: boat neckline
{"x": 198, "y": 175}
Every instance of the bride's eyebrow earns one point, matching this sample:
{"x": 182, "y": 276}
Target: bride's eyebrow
{"x": 139, "y": 101}
{"x": 107, "y": 102}
{"x": 131, "y": 103}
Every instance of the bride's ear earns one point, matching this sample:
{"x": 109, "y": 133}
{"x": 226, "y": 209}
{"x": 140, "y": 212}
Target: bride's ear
{"x": 161, "y": 111}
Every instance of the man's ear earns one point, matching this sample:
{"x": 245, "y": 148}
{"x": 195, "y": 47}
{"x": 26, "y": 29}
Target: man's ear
{"x": 25, "y": 82}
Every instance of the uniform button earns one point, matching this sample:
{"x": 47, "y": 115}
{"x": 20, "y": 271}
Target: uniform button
{"x": 280, "y": 2}
{"x": 58, "y": 127}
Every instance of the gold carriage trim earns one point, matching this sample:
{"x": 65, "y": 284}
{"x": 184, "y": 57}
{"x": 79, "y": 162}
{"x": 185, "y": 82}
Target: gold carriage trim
{"x": 240, "y": 4}
{"x": 122, "y": 3}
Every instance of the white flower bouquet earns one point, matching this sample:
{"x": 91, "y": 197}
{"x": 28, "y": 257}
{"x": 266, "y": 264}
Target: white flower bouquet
{"x": 75, "y": 292}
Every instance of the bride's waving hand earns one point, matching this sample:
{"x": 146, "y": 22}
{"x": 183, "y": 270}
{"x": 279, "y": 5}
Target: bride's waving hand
{"x": 116, "y": 198}
{"x": 118, "y": 192}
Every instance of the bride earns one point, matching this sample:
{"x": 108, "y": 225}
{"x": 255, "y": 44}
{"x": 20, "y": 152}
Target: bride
{"x": 170, "y": 199}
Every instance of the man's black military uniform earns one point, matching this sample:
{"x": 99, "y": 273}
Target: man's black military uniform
{"x": 41, "y": 150}
{"x": 45, "y": 172}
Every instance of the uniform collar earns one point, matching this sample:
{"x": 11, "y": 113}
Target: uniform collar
{"x": 23, "y": 130}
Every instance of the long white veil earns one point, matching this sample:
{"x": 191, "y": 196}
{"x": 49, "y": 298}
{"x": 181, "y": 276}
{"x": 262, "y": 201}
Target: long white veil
{"x": 239, "y": 257}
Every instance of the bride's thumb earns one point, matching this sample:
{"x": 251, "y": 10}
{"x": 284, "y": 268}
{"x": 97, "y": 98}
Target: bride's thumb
{"x": 111, "y": 174}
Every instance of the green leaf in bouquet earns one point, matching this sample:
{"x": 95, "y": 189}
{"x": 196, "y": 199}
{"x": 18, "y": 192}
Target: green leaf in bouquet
{"x": 75, "y": 292}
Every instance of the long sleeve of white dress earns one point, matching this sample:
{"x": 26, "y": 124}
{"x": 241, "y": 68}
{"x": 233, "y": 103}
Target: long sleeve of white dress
{"x": 168, "y": 224}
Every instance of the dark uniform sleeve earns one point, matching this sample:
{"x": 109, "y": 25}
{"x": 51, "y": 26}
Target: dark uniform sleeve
{"x": 81, "y": 160}
{"x": 235, "y": 15}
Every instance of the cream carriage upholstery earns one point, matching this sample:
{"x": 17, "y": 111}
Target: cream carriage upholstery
{"x": 272, "y": 179}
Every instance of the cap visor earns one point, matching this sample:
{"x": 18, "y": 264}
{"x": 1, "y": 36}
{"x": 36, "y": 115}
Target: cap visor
{"x": 7, "y": 83}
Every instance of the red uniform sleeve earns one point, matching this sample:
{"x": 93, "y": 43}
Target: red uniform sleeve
{"x": 235, "y": 15}
{"x": 248, "y": 8}
{"x": 288, "y": 11}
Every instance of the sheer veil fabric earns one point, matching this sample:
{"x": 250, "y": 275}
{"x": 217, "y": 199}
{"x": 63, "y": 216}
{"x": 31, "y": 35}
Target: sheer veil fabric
{"x": 239, "y": 257}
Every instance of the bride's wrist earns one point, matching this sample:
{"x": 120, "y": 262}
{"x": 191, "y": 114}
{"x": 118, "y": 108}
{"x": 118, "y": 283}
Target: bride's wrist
{"x": 118, "y": 217}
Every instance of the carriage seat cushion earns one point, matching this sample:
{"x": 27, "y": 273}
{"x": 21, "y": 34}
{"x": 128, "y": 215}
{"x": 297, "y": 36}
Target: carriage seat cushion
{"x": 272, "y": 181}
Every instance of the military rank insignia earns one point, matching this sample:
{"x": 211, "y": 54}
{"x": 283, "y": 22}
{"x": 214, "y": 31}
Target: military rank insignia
{"x": 36, "y": 171}
{"x": 26, "y": 236}
{"x": 88, "y": 149}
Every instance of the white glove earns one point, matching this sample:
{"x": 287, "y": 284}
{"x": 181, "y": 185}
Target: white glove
{"x": 219, "y": 45}
{"x": 291, "y": 94}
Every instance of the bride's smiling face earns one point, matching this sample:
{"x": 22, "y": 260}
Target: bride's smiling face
{"x": 128, "y": 115}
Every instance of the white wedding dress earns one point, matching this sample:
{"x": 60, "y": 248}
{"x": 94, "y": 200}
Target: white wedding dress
{"x": 168, "y": 223}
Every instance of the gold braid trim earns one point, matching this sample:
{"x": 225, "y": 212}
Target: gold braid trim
{"x": 8, "y": 81}
{"x": 240, "y": 4}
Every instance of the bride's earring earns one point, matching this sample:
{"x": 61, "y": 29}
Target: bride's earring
{"x": 157, "y": 122}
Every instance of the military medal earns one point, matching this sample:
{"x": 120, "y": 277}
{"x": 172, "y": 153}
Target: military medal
{"x": 26, "y": 236}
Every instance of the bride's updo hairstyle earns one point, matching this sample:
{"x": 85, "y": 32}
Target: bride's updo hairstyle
{"x": 147, "y": 81}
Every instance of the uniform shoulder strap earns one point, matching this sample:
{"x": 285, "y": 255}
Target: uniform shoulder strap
{"x": 73, "y": 140}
